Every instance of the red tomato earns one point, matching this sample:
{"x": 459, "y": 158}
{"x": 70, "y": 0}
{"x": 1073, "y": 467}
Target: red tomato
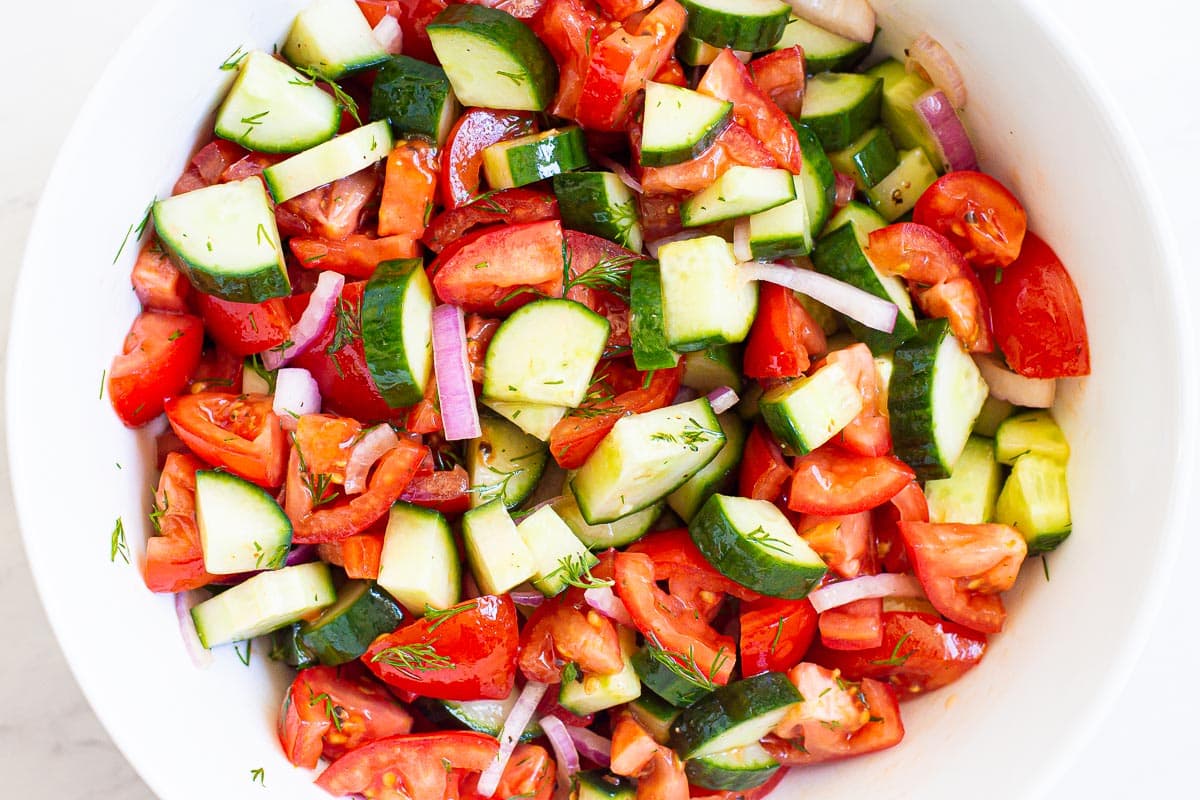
{"x": 240, "y": 434}
{"x": 360, "y": 555}
{"x": 565, "y": 629}
{"x": 783, "y": 336}
{"x": 356, "y": 256}
{"x": 963, "y": 569}
{"x": 676, "y": 556}
{"x": 465, "y": 656}
{"x": 728, "y": 79}
{"x": 672, "y": 73}
{"x": 521, "y": 9}
{"x": 330, "y": 711}
{"x": 218, "y": 371}
{"x": 830, "y": 482}
{"x": 781, "y": 76}
{"x": 570, "y": 29}
{"x": 425, "y": 416}
{"x": 245, "y": 328}
{"x": 585, "y": 253}
{"x": 446, "y": 491}
{"x": 868, "y": 434}
{"x": 413, "y": 16}
{"x": 919, "y": 653}
{"x": 843, "y": 542}
{"x": 174, "y": 559}
{"x": 409, "y": 189}
{"x": 632, "y": 746}
{"x": 416, "y": 766}
{"x": 158, "y": 284}
{"x": 665, "y": 780}
{"x": 734, "y": 146}
{"x": 510, "y": 206}
{"x": 763, "y": 472}
{"x": 483, "y": 271}
{"x": 854, "y": 626}
{"x": 977, "y": 214}
{"x": 530, "y": 774}
{"x": 909, "y": 505}
{"x": 884, "y": 730}
{"x": 462, "y": 157}
{"x": 250, "y": 166}
{"x": 207, "y": 166}
{"x": 323, "y": 443}
{"x": 775, "y": 634}
{"x": 160, "y": 353}
{"x": 665, "y": 619}
{"x": 1038, "y": 316}
{"x": 333, "y": 211}
{"x": 659, "y": 215}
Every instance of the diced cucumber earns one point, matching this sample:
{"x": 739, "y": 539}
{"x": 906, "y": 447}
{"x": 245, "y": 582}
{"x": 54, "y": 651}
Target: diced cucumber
{"x": 785, "y": 231}
{"x": 224, "y": 239}
{"x": 484, "y": 716}
{"x": 647, "y": 330}
{"x": 713, "y": 368}
{"x": 687, "y": 499}
{"x": 256, "y": 379}
{"x": 733, "y": 770}
{"x": 588, "y": 694}
{"x": 337, "y": 158}
{"x": 600, "y": 204}
{"x": 532, "y": 158}
{"x": 823, "y": 51}
{"x": 869, "y": 159}
{"x": 752, "y": 542}
{"x": 397, "y": 330}
{"x": 994, "y": 412}
{"x": 653, "y": 713}
{"x": 526, "y": 364}
{"x": 346, "y": 629}
{"x": 680, "y": 124}
{"x": 901, "y": 89}
{"x": 825, "y": 317}
{"x": 264, "y": 603}
{"x": 1031, "y": 432}
{"x": 644, "y": 458}
{"x": 735, "y": 715}
{"x": 750, "y": 25}
{"x": 419, "y": 564}
{"x": 332, "y": 38}
{"x": 839, "y": 107}
{"x": 863, "y": 218}
{"x": 242, "y": 528}
{"x": 806, "y": 413}
{"x": 606, "y": 534}
{"x": 747, "y": 407}
{"x": 696, "y": 53}
{"x": 274, "y": 109}
{"x": 674, "y": 686}
{"x": 557, "y": 551}
{"x": 493, "y": 59}
{"x": 898, "y": 193}
{"x": 969, "y": 495}
{"x": 600, "y": 785}
{"x": 706, "y": 300}
{"x": 817, "y": 177}
{"x": 415, "y": 98}
{"x": 535, "y": 419}
{"x": 740, "y": 192}
{"x": 935, "y": 395}
{"x": 1035, "y": 501}
{"x": 504, "y": 463}
{"x": 287, "y": 647}
{"x": 496, "y": 553}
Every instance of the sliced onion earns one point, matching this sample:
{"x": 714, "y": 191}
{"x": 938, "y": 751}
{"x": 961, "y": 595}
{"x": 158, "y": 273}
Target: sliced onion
{"x": 931, "y": 61}
{"x": 460, "y": 415}
{"x": 854, "y": 19}
{"x": 296, "y": 394}
{"x": 311, "y": 323}
{"x": 302, "y": 554}
{"x": 1004, "y": 384}
{"x": 843, "y": 189}
{"x": 621, "y": 173}
{"x": 606, "y": 602}
{"x": 947, "y": 129}
{"x": 865, "y": 588}
{"x": 389, "y": 34}
{"x": 527, "y": 599}
{"x": 683, "y": 236}
{"x": 366, "y": 451}
{"x": 686, "y": 394}
{"x": 514, "y": 726}
{"x": 864, "y": 307}
{"x": 184, "y": 602}
{"x": 722, "y": 399}
{"x": 563, "y": 746}
{"x": 741, "y": 241}
{"x": 591, "y": 745}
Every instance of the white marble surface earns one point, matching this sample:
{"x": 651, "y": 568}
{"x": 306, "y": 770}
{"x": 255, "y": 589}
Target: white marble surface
{"x": 51, "y": 745}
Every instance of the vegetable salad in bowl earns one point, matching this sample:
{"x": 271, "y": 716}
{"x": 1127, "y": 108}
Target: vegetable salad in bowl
{"x": 617, "y": 399}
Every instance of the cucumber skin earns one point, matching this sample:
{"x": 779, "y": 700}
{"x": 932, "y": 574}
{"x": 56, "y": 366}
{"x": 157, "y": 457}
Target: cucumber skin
{"x": 910, "y": 401}
{"x": 701, "y": 772}
{"x": 741, "y": 701}
{"x": 600, "y": 785}
{"x": 287, "y": 647}
{"x": 385, "y": 353}
{"x": 678, "y": 155}
{"x": 677, "y": 691}
{"x": 646, "y": 326}
{"x": 585, "y": 206}
{"x": 761, "y": 33}
{"x": 817, "y": 174}
{"x": 840, "y": 129}
{"x": 410, "y": 94}
{"x": 550, "y": 157}
{"x": 348, "y": 637}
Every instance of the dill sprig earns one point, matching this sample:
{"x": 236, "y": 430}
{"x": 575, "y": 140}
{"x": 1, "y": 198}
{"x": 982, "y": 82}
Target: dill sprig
{"x": 413, "y": 659}
{"x": 576, "y": 571}
{"x": 896, "y": 659}
{"x": 438, "y": 616}
{"x": 344, "y": 101}
{"x": 609, "y": 274}
{"x": 687, "y": 668}
{"x": 318, "y": 484}
{"x": 136, "y": 229}
{"x": 332, "y": 710}
{"x": 118, "y": 546}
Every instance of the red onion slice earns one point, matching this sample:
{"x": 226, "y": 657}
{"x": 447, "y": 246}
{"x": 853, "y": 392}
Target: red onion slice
{"x": 722, "y": 399}
{"x": 1004, "y": 384}
{"x": 653, "y": 247}
{"x": 389, "y": 34}
{"x": 296, "y": 394}
{"x": 865, "y": 588}
{"x": 460, "y": 415}
{"x": 854, "y": 19}
{"x": 527, "y": 599}
{"x": 312, "y": 322}
{"x": 741, "y": 241}
{"x": 184, "y": 602}
{"x": 930, "y": 60}
{"x": 947, "y": 129}
{"x": 843, "y": 189}
{"x": 510, "y": 734}
{"x": 366, "y": 451}
{"x": 563, "y": 746}
{"x": 621, "y": 173}
{"x": 591, "y": 745}
{"x": 302, "y": 554}
{"x": 864, "y": 307}
{"x": 686, "y": 394}
{"x": 606, "y": 602}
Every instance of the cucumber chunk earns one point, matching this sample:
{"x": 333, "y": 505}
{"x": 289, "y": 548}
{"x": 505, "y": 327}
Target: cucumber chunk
{"x": 680, "y": 124}
{"x": 647, "y": 330}
{"x": 806, "y": 413}
{"x": 716, "y": 475}
{"x": 823, "y": 51}
{"x": 706, "y": 301}
{"x": 740, "y": 192}
{"x": 287, "y": 647}
{"x": 484, "y": 716}
{"x": 557, "y": 552}
{"x": 536, "y": 157}
{"x": 504, "y": 463}
{"x": 1033, "y": 432}
{"x": 817, "y": 177}
{"x": 600, "y": 204}
{"x": 869, "y": 160}
{"x": 785, "y": 231}
{"x": 496, "y": 552}
{"x": 672, "y": 685}
{"x": 864, "y": 219}
{"x": 750, "y": 25}
{"x": 600, "y": 785}
{"x": 346, "y": 629}
{"x": 839, "y": 107}
{"x": 733, "y": 770}
{"x": 397, "y": 330}
{"x": 535, "y": 419}
{"x": 415, "y": 98}
{"x": 337, "y": 158}
{"x": 713, "y": 368}
{"x": 419, "y": 564}
{"x": 969, "y": 495}
{"x": 272, "y": 108}
{"x": 994, "y": 412}
{"x": 653, "y": 713}
{"x": 898, "y": 193}
{"x": 242, "y": 528}
{"x": 332, "y": 38}
{"x": 733, "y": 716}
{"x": 604, "y": 535}
{"x": 1035, "y": 501}
{"x": 264, "y": 603}
{"x": 589, "y": 694}
{"x": 901, "y": 89}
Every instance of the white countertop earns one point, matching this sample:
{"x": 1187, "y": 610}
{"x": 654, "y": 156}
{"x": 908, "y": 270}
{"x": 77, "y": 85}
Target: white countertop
{"x": 51, "y": 745}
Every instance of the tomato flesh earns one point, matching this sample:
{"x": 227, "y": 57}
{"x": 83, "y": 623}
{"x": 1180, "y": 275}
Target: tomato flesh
{"x": 831, "y": 482}
{"x": 160, "y": 353}
{"x": 174, "y": 558}
{"x": 510, "y": 207}
{"x": 764, "y": 471}
{"x": 245, "y": 328}
{"x": 565, "y": 630}
{"x": 775, "y": 634}
{"x": 158, "y": 284}
{"x": 240, "y": 434}
{"x": 415, "y": 766}
{"x": 977, "y": 214}
{"x": 728, "y": 79}
{"x": 409, "y": 189}
{"x": 462, "y": 157}
{"x": 499, "y": 269}
{"x": 783, "y": 336}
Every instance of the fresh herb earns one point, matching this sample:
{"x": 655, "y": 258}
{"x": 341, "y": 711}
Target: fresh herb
{"x": 256, "y": 366}
{"x": 1046, "y": 567}
{"x": 118, "y": 546}
{"x": 253, "y": 324}
{"x": 570, "y": 672}
{"x": 999, "y": 275}
{"x": 896, "y": 660}
{"x": 692, "y": 436}
{"x": 778, "y": 633}
{"x": 576, "y": 571}
{"x": 315, "y": 258}
{"x": 261, "y": 234}
{"x": 428, "y": 214}
{"x": 333, "y": 711}
{"x": 485, "y": 201}
{"x": 481, "y": 265}
{"x": 136, "y": 229}
{"x": 245, "y": 659}
{"x": 255, "y": 119}
{"x": 234, "y": 59}
{"x": 412, "y": 659}
{"x": 552, "y": 383}
{"x": 175, "y": 335}
{"x": 439, "y": 615}
{"x": 157, "y": 512}
{"x": 103, "y": 380}
{"x": 646, "y": 381}
{"x": 277, "y": 556}
{"x": 347, "y": 326}
{"x": 499, "y": 488}
{"x": 344, "y": 101}
{"x": 284, "y": 346}
{"x": 687, "y": 669}
{"x": 609, "y": 274}
{"x": 317, "y": 485}
{"x": 760, "y": 537}
{"x": 257, "y": 775}
{"x": 515, "y": 77}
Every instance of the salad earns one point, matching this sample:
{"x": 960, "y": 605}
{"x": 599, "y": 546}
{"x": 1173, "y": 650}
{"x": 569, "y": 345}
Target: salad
{"x": 621, "y": 399}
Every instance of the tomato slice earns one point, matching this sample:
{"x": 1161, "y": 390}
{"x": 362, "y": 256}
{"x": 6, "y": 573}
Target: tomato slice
{"x": 570, "y": 29}
{"x": 415, "y": 766}
{"x": 675, "y": 555}
{"x": 509, "y": 206}
{"x": 218, "y": 371}
{"x": 735, "y": 145}
{"x": 783, "y": 336}
{"x": 158, "y": 284}
{"x": 781, "y": 77}
{"x": 910, "y": 505}
{"x": 160, "y": 353}
{"x": 672, "y": 73}
{"x": 775, "y": 634}
{"x": 360, "y": 555}
{"x": 207, "y": 166}
{"x": 426, "y": 416}
{"x": 333, "y": 211}
{"x": 635, "y": 754}
{"x": 565, "y": 630}
{"x": 831, "y": 482}
{"x": 355, "y": 256}
{"x": 447, "y": 491}
{"x": 854, "y": 626}
{"x": 462, "y": 158}
{"x": 764, "y": 471}
{"x": 728, "y": 79}
{"x": 240, "y": 434}
{"x": 844, "y": 543}
{"x": 977, "y": 214}
{"x": 499, "y": 269}
{"x": 883, "y": 730}
{"x": 409, "y": 189}
{"x": 868, "y": 434}
{"x": 620, "y": 9}
{"x": 245, "y": 328}
{"x": 530, "y": 774}
{"x": 174, "y": 559}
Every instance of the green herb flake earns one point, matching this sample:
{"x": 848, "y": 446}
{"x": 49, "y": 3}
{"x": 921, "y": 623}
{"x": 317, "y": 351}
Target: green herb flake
{"x": 233, "y": 60}
{"x": 257, "y": 775}
{"x": 438, "y": 616}
{"x": 118, "y": 546}
{"x": 413, "y": 659}
{"x": 896, "y": 659}
{"x": 243, "y": 657}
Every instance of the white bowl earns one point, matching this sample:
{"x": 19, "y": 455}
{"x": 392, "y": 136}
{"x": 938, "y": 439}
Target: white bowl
{"x": 1042, "y": 126}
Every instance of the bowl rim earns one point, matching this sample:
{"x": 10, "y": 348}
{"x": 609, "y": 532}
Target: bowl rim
{"x": 1120, "y": 668}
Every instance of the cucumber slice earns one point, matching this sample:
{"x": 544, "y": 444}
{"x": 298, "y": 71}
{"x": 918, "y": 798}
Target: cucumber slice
{"x": 224, "y": 239}
{"x": 604, "y": 535}
{"x": 415, "y": 98}
{"x": 898, "y": 193}
{"x": 673, "y": 686}
{"x": 823, "y": 51}
{"x": 419, "y": 564}
{"x": 705, "y": 299}
{"x": 901, "y": 89}
{"x": 589, "y": 694}
{"x": 1035, "y": 501}
{"x": 272, "y": 108}
{"x": 785, "y": 231}
{"x": 806, "y": 413}
{"x": 397, "y": 330}
{"x": 287, "y": 647}
{"x": 752, "y": 542}
{"x": 504, "y": 463}
{"x": 969, "y": 495}
{"x": 557, "y": 551}
{"x": 733, "y": 770}
{"x": 696, "y": 53}
{"x": 716, "y": 475}
{"x": 994, "y": 412}
{"x": 346, "y": 629}
{"x": 713, "y": 368}
{"x": 484, "y": 716}
{"x": 497, "y": 554}
{"x": 332, "y": 38}
{"x": 1031, "y": 432}
{"x": 264, "y": 603}
{"x": 680, "y": 124}
{"x": 935, "y": 395}
{"x": 869, "y": 160}
{"x": 863, "y": 218}
{"x": 647, "y": 330}
{"x": 599, "y": 204}
{"x": 733, "y": 716}
{"x": 526, "y": 365}
{"x": 325, "y": 163}
{"x": 644, "y": 458}
{"x": 839, "y": 107}
{"x": 653, "y": 713}
{"x": 493, "y": 59}
{"x": 532, "y": 158}
{"x": 535, "y": 419}
{"x": 750, "y": 25}
{"x": 740, "y": 192}
{"x": 817, "y": 178}
{"x": 600, "y": 785}
{"x": 242, "y": 528}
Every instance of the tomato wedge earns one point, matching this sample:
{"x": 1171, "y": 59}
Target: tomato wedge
{"x": 831, "y": 482}
{"x": 409, "y": 189}
{"x": 734, "y": 146}
{"x": 498, "y": 269}
{"x": 509, "y": 206}
{"x": 570, "y": 29}
{"x": 783, "y": 336}
{"x": 174, "y": 559}
{"x": 207, "y": 166}
{"x": 245, "y": 328}
{"x": 240, "y": 434}
{"x": 415, "y": 766}
{"x": 462, "y": 156}
{"x": 676, "y": 556}
{"x": 447, "y": 491}
{"x": 868, "y": 434}
{"x": 977, "y": 214}
{"x": 355, "y": 256}
{"x": 763, "y": 472}
{"x": 854, "y": 626}
{"x": 781, "y": 76}
{"x": 883, "y": 730}
{"x": 333, "y": 211}
{"x": 728, "y": 79}
{"x": 844, "y": 542}
{"x": 910, "y": 505}
{"x": 160, "y": 353}
{"x": 530, "y": 774}
{"x": 158, "y": 284}
{"x": 775, "y": 634}
{"x": 565, "y": 630}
